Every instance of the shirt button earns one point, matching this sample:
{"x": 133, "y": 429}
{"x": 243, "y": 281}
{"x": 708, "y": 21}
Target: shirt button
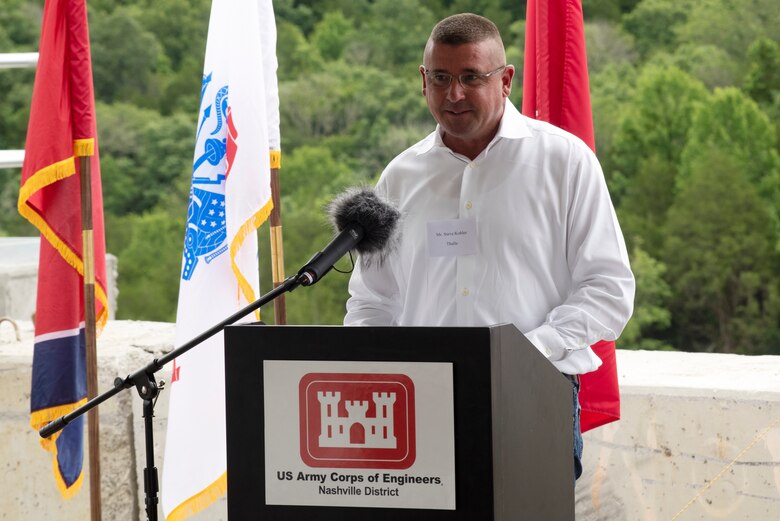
{"x": 465, "y": 292}
{"x": 468, "y": 205}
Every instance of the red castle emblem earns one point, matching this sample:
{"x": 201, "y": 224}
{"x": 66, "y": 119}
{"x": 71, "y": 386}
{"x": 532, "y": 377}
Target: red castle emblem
{"x": 351, "y": 420}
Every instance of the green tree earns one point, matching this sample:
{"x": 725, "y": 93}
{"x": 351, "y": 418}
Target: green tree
{"x": 611, "y": 92}
{"x": 601, "y": 10}
{"x": 17, "y": 88}
{"x": 693, "y": 174}
{"x": 149, "y": 252}
{"x": 720, "y": 257}
{"x": 297, "y": 57}
{"x": 647, "y": 199}
{"x": 144, "y": 156}
{"x": 773, "y": 111}
{"x": 125, "y": 58}
{"x": 310, "y": 173}
{"x": 651, "y": 313}
{"x": 762, "y": 81}
{"x": 20, "y": 25}
{"x": 357, "y": 10}
{"x": 501, "y": 12}
{"x": 731, "y": 25}
{"x": 19, "y": 32}
{"x": 180, "y": 26}
{"x": 398, "y": 45}
{"x": 709, "y": 64}
{"x": 653, "y": 24}
{"x": 608, "y": 44}
{"x": 656, "y": 123}
{"x": 514, "y": 43}
{"x": 732, "y": 123}
{"x": 332, "y": 34}
{"x": 346, "y": 106}
{"x": 310, "y": 178}
{"x": 611, "y": 58}
{"x": 181, "y": 89}
{"x": 11, "y": 223}
{"x": 294, "y": 13}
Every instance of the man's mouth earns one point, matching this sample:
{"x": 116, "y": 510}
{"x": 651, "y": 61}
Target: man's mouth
{"x": 457, "y": 112}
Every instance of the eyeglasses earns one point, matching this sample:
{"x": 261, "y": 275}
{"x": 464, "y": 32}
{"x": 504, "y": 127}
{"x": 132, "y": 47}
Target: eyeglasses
{"x": 467, "y": 80}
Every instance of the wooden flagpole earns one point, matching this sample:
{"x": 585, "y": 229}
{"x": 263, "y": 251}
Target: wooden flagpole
{"x": 277, "y": 251}
{"x": 90, "y": 333}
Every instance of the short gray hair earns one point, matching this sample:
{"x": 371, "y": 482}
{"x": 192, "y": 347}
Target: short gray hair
{"x": 464, "y": 28}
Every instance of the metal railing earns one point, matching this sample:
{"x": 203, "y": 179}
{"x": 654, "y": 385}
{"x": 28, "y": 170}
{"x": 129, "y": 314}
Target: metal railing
{"x": 19, "y": 60}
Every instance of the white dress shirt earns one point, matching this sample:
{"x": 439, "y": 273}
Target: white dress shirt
{"x": 549, "y": 254}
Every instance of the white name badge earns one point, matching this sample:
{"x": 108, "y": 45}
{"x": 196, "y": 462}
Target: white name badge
{"x": 452, "y": 238}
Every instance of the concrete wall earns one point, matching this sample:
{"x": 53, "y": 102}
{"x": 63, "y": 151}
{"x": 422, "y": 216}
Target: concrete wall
{"x": 19, "y": 278}
{"x": 29, "y": 490}
{"x": 685, "y": 417}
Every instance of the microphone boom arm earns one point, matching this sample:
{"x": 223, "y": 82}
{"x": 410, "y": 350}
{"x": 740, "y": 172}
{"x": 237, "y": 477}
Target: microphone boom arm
{"x": 142, "y": 379}
{"x": 367, "y": 225}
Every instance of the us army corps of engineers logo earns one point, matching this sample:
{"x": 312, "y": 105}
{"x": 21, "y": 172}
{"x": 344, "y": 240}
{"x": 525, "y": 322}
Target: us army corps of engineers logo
{"x": 352, "y": 420}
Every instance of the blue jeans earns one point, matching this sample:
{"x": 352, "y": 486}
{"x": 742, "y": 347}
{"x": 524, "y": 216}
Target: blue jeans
{"x": 575, "y": 386}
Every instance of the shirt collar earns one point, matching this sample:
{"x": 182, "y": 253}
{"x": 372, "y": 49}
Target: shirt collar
{"x": 513, "y": 126}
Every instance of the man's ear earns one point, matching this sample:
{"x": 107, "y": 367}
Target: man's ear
{"x": 506, "y": 79}
{"x": 422, "y": 73}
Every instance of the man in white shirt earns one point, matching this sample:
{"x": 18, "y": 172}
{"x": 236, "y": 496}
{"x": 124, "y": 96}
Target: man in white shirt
{"x": 505, "y": 218}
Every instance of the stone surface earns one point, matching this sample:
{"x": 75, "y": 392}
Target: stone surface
{"x": 19, "y": 278}
{"x": 28, "y": 484}
{"x": 685, "y": 418}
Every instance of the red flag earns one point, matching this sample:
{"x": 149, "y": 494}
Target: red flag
{"x": 555, "y": 72}
{"x": 61, "y": 128}
{"x": 556, "y": 90}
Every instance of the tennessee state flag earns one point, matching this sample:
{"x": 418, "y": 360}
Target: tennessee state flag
{"x": 230, "y": 198}
{"x": 62, "y": 128}
{"x": 556, "y": 90}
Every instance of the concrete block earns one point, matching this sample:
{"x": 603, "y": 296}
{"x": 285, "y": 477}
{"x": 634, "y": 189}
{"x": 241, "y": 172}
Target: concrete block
{"x": 686, "y": 418}
{"x": 19, "y": 278}
{"x": 28, "y": 481}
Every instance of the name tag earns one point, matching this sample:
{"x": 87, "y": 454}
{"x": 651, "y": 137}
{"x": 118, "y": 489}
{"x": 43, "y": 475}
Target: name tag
{"x": 452, "y": 238}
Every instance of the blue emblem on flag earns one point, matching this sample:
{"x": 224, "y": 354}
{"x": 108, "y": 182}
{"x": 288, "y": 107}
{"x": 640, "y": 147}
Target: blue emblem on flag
{"x": 206, "y": 233}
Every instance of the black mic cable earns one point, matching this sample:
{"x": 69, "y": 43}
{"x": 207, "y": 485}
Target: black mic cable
{"x": 364, "y": 222}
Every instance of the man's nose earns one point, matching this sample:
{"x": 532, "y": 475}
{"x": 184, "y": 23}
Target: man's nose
{"x": 455, "y": 92}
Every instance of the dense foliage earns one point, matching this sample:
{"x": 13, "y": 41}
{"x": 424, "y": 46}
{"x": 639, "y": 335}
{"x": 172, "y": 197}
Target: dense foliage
{"x": 686, "y": 101}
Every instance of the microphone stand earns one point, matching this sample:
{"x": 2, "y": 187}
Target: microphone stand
{"x": 148, "y": 390}
{"x": 361, "y": 208}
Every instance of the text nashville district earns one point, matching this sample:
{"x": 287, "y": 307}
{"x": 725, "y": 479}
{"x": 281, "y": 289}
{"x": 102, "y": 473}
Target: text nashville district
{"x": 355, "y": 485}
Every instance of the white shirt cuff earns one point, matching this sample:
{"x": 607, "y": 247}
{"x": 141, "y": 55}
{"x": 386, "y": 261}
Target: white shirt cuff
{"x": 548, "y": 342}
{"x": 568, "y": 361}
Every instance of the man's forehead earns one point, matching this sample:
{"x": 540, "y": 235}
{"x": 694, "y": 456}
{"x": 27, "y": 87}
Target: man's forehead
{"x": 467, "y": 56}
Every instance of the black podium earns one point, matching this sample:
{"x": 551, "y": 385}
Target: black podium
{"x": 511, "y": 422}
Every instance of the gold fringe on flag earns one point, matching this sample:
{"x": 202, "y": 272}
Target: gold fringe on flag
{"x": 200, "y": 501}
{"x": 44, "y": 177}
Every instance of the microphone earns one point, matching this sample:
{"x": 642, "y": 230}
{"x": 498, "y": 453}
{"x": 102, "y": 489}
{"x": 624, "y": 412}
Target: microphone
{"x": 364, "y": 222}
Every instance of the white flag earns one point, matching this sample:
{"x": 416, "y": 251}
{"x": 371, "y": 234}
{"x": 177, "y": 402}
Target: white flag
{"x": 229, "y": 199}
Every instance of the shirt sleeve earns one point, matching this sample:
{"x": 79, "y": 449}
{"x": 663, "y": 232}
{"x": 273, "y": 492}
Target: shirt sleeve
{"x": 601, "y": 298}
{"x": 374, "y": 298}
